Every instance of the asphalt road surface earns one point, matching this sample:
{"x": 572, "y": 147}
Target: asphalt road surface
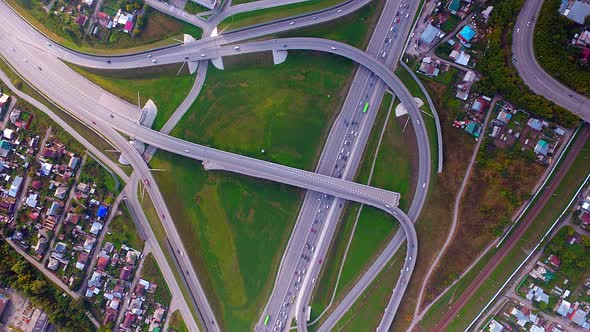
{"x": 533, "y": 75}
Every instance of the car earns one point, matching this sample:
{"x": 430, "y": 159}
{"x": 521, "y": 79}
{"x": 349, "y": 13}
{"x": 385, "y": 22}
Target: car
{"x": 407, "y": 269}
{"x": 313, "y": 230}
{"x": 163, "y": 217}
{"x": 315, "y": 18}
{"x": 187, "y": 151}
{"x": 313, "y": 281}
{"x": 518, "y": 29}
{"x": 93, "y": 122}
{"x": 202, "y": 54}
{"x": 407, "y": 15}
{"x": 292, "y": 22}
{"x": 285, "y": 45}
{"x": 383, "y": 54}
{"x": 391, "y": 29}
{"x": 424, "y": 185}
{"x": 154, "y": 61}
{"x": 149, "y": 56}
{"x": 333, "y": 48}
{"x": 339, "y": 10}
{"x": 186, "y": 58}
{"x": 528, "y": 24}
{"x": 236, "y": 48}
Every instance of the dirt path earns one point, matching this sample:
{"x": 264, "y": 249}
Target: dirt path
{"x": 451, "y": 233}
{"x": 518, "y": 233}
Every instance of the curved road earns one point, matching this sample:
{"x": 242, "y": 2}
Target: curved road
{"x": 533, "y": 75}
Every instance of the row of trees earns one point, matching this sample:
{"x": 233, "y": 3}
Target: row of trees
{"x": 499, "y": 76}
{"x": 553, "y": 51}
{"x": 62, "y": 310}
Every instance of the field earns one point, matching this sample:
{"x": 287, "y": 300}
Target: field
{"x": 367, "y": 311}
{"x": 161, "y": 84}
{"x": 151, "y": 272}
{"x": 546, "y": 217}
{"x": 122, "y": 230}
{"x": 158, "y": 31}
{"x": 500, "y": 183}
{"x": 350, "y": 29}
{"x": 274, "y": 13}
{"x": 284, "y": 110}
{"x": 177, "y": 323}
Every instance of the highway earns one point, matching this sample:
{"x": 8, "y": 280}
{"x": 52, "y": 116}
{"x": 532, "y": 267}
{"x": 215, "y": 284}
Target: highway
{"x": 533, "y": 75}
{"x": 126, "y": 121}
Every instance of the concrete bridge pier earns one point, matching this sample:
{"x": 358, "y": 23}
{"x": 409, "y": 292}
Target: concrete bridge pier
{"x": 278, "y": 56}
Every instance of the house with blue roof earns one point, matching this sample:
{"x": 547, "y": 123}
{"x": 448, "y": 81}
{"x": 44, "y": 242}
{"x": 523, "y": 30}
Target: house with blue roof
{"x": 454, "y": 6}
{"x": 466, "y": 34}
{"x": 102, "y": 211}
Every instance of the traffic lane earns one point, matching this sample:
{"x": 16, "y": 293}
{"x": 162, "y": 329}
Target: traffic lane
{"x": 531, "y": 72}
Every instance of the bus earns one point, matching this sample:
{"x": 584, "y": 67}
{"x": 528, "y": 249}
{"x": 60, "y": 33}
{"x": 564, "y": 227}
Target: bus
{"x": 266, "y": 320}
{"x": 366, "y": 108}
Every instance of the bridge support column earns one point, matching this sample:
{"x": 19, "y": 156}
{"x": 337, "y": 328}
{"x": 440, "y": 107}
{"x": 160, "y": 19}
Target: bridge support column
{"x": 279, "y": 56}
{"x": 218, "y": 63}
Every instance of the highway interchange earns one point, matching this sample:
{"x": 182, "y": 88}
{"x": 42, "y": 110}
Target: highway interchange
{"x": 35, "y": 58}
{"x": 36, "y": 65}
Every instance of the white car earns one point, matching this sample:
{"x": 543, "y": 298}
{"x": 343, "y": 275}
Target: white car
{"x": 293, "y": 22}
{"x": 333, "y": 48}
{"x": 154, "y": 61}
{"x": 340, "y": 10}
{"x": 202, "y": 54}
{"x": 187, "y": 151}
{"x": 236, "y": 48}
{"x": 149, "y": 55}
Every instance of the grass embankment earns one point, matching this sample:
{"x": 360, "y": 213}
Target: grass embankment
{"x": 177, "y": 323}
{"x": 547, "y": 216}
{"x": 152, "y": 273}
{"x": 122, "y": 230}
{"x": 350, "y": 29}
{"x": 194, "y": 8}
{"x": 365, "y": 314}
{"x": 434, "y": 221}
{"x": 161, "y": 84}
{"x": 553, "y": 51}
{"x": 158, "y": 31}
{"x": 275, "y": 13}
{"x": 239, "y": 226}
{"x": 374, "y": 227}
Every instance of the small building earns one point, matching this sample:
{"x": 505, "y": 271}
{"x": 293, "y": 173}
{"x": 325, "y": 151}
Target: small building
{"x": 463, "y": 58}
{"x": 504, "y": 116}
{"x": 53, "y": 263}
{"x": 96, "y": 227}
{"x": 81, "y": 262}
{"x": 83, "y": 188}
{"x": 81, "y": 19}
{"x": 429, "y": 33}
{"x": 5, "y": 148}
{"x": 8, "y": 134}
{"x": 466, "y": 34}
{"x": 4, "y": 102}
{"x": 102, "y": 211}
{"x": 102, "y": 263}
{"x": 126, "y": 272}
{"x": 578, "y": 11}
{"x": 15, "y": 186}
{"x": 454, "y": 6}
{"x": 73, "y": 163}
{"x": 55, "y": 208}
{"x": 89, "y": 243}
{"x": 542, "y": 148}
{"x": 554, "y": 260}
{"x": 46, "y": 168}
{"x": 486, "y": 13}
{"x": 535, "y": 124}
{"x": 473, "y": 128}
{"x": 61, "y": 192}
{"x": 41, "y": 245}
{"x": 32, "y": 200}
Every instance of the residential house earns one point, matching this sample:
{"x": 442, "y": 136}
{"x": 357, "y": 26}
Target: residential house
{"x": 61, "y": 192}
{"x": 15, "y": 186}
{"x": 81, "y": 262}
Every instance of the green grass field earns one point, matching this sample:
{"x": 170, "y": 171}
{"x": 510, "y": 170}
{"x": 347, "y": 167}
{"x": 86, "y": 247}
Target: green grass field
{"x": 350, "y": 29}
{"x": 177, "y": 323}
{"x": 122, "y": 230}
{"x": 550, "y": 212}
{"x": 365, "y": 314}
{"x": 158, "y": 31}
{"x": 237, "y": 225}
{"x": 151, "y": 272}
{"x": 374, "y": 226}
{"x": 284, "y": 110}
{"x": 162, "y": 85}
{"x": 265, "y": 15}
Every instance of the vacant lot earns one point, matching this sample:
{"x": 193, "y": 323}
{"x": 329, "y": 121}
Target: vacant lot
{"x": 177, "y": 323}
{"x": 433, "y": 223}
{"x": 162, "y": 85}
{"x": 152, "y": 273}
{"x": 122, "y": 230}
